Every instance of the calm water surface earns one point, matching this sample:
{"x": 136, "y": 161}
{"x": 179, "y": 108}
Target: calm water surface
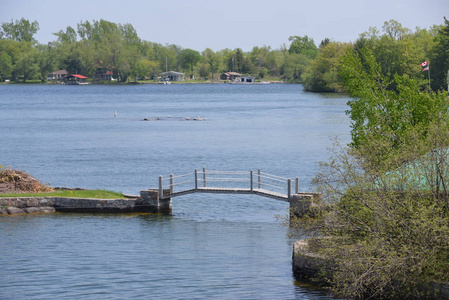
{"x": 212, "y": 246}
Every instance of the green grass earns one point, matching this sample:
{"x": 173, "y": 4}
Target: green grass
{"x": 99, "y": 194}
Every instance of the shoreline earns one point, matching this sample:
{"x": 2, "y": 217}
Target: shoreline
{"x": 155, "y": 82}
{"x": 148, "y": 201}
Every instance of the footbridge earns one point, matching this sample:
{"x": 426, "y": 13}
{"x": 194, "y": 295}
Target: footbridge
{"x": 228, "y": 182}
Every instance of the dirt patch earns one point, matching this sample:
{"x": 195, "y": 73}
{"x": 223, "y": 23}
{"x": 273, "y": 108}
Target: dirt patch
{"x": 15, "y": 181}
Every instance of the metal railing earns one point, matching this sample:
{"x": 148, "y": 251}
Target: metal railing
{"x": 227, "y": 179}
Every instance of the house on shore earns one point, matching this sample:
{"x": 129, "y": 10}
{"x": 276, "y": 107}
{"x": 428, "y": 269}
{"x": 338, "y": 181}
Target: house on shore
{"x": 75, "y": 79}
{"x": 57, "y": 75}
{"x": 103, "y": 73}
{"x": 246, "y": 79}
{"x": 172, "y": 76}
{"x": 230, "y": 76}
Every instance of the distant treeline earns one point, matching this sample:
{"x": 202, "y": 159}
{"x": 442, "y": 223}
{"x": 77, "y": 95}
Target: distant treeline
{"x": 118, "y": 47}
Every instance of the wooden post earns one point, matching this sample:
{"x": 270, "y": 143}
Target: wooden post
{"x": 161, "y": 189}
{"x": 172, "y": 181}
{"x": 258, "y": 178}
{"x": 196, "y": 179}
{"x": 204, "y": 177}
{"x": 289, "y": 188}
{"x": 297, "y": 185}
{"x": 251, "y": 180}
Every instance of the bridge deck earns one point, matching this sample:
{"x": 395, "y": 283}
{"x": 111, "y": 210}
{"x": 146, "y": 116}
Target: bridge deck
{"x": 217, "y": 190}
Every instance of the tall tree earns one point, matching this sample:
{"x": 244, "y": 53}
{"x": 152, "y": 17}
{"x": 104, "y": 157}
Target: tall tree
{"x": 439, "y": 63}
{"x": 303, "y": 45}
{"x": 212, "y": 59}
{"x": 26, "y": 64}
{"x": 387, "y": 116}
{"x": 5, "y": 66}
{"x": 69, "y": 36}
{"x": 190, "y": 58}
{"x": 45, "y": 61}
{"x": 20, "y": 30}
{"x": 323, "y": 73}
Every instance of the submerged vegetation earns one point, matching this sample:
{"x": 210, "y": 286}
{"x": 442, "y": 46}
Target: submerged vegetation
{"x": 117, "y": 49}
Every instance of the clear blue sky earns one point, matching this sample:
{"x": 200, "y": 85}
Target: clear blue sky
{"x": 216, "y": 24}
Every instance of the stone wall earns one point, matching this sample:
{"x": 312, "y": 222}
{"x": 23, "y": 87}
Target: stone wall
{"x": 148, "y": 202}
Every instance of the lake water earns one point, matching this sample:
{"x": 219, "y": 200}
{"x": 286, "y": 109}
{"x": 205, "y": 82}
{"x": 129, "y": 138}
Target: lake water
{"x": 212, "y": 246}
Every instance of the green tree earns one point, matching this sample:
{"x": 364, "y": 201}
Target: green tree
{"x": 5, "y": 66}
{"x": 20, "y": 30}
{"x": 323, "y": 73}
{"x": 259, "y": 57}
{"x": 395, "y": 30}
{"x": 45, "y": 61}
{"x": 204, "y": 71}
{"x": 190, "y": 58}
{"x": 385, "y": 234}
{"x": 439, "y": 62}
{"x": 69, "y": 36}
{"x": 384, "y": 116}
{"x": 387, "y": 194}
{"x": 303, "y": 45}
{"x": 26, "y": 64}
{"x": 398, "y": 50}
{"x": 144, "y": 68}
{"x": 274, "y": 62}
{"x": 212, "y": 59}
{"x": 294, "y": 65}
{"x": 324, "y": 43}
{"x": 14, "y": 49}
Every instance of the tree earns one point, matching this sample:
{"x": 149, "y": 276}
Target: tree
{"x": 45, "y": 61}
{"x": 294, "y": 65}
{"x": 385, "y": 233}
{"x": 387, "y": 195}
{"x": 143, "y": 68}
{"x": 323, "y": 73}
{"x": 398, "y": 50}
{"x": 5, "y": 66}
{"x": 190, "y": 58}
{"x": 212, "y": 59}
{"x": 26, "y": 64}
{"x": 440, "y": 58}
{"x": 381, "y": 114}
{"x": 259, "y": 57}
{"x": 69, "y": 36}
{"x": 204, "y": 71}
{"x": 303, "y": 45}
{"x": 14, "y": 50}
{"x": 395, "y": 30}
{"x": 324, "y": 43}
{"x": 274, "y": 62}
{"x": 239, "y": 59}
{"x": 20, "y": 30}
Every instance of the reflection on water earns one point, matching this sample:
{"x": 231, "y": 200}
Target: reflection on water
{"x": 213, "y": 246}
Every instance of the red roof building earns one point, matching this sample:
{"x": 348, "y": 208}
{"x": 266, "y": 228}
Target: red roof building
{"x": 75, "y": 79}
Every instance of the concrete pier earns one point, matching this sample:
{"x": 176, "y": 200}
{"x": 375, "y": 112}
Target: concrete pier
{"x": 150, "y": 201}
{"x": 310, "y": 204}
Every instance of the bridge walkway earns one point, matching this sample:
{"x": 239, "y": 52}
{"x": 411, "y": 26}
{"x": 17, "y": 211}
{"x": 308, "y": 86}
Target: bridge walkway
{"x": 232, "y": 182}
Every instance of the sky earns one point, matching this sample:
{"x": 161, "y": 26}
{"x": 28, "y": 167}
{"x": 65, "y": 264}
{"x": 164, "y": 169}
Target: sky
{"x": 215, "y": 24}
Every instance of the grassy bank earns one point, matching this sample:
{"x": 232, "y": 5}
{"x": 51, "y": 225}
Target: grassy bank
{"x": 98, "y": 194}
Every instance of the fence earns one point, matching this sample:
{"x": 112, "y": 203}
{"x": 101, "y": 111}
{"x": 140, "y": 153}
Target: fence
{"x": 232, "y": 181}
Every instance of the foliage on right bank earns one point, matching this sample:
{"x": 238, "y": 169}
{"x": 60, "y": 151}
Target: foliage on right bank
{"x": 385, "y": 236}
{"x": 397, "y": 50}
